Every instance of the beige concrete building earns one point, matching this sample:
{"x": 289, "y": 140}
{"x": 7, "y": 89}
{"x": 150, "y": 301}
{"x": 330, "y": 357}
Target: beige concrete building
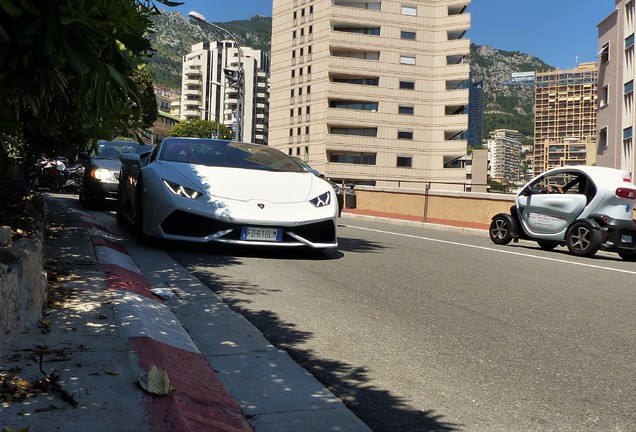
{"x": 206, "y": 92}
{"x": 372, "y": 92}
{"x": 565, "y": 117}
{"x": 616, "y": 88}
{"x": 504, "y": 154}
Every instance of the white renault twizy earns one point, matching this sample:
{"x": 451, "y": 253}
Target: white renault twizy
{"x": 585, "y": 208}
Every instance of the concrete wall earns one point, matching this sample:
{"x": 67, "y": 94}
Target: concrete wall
{"x": 456, "y": 206}
{"x": 22, "y": 282}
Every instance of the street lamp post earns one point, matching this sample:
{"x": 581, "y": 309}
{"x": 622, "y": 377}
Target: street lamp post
{"x": 237, "y": 80}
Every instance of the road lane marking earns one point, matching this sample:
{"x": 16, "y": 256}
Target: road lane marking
{"x": 599, "y": 267}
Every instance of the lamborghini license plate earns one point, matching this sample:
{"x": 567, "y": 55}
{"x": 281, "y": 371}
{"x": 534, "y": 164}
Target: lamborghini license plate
{"x": 261, "y": 234}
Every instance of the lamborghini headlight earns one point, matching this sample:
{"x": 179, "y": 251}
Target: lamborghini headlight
{"x": 321, "y": 200}
{"x": 181, "y": 190}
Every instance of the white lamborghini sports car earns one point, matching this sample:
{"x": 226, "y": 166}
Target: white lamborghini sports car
{"x": 207, "y": 190}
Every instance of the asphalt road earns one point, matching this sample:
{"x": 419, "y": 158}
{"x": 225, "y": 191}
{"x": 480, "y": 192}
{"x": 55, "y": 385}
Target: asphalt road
{"x": 424, "y": 330}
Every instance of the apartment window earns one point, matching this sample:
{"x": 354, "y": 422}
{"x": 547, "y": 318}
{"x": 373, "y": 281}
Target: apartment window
{"x": 375, "y": 31}
{"x": 404, "y": 34}
{"x": 407, "y": 59}
{"x": 604, "y": 53}
{"x": 405, "y": 110}
{"x": 604, "y": 96}
{"x": 455, "y": 34}
{"x": 354, "y": 105}
{"x": 409, "y": 10}
{"x": 356, "y": 158}
{"x": 602, "y": 137}
{"x": 340, "y": 130}
{"x": 456, "y": 10}
{"x": 629, "y": 41}
{"x": 407, "y": 85}
{"x": 628, "y": 87}
{"x": 404, "y": 161}
{"x": 408, "y": 135}
{"x": 363, "y": 55}
{"x": 370, "y": 81}
{"x": 455, "y": 59}
{"x": 457, "y": 84}
{"x": 627, "y": 133}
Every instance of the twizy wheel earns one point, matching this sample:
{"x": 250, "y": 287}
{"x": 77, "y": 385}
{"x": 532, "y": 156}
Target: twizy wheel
{"x": 500, "y": 230}
{"x": 582, "y": 239}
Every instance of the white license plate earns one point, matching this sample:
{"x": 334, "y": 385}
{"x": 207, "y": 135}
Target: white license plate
{"x": 261, "y": 234}
{"x": 625, "y": 238}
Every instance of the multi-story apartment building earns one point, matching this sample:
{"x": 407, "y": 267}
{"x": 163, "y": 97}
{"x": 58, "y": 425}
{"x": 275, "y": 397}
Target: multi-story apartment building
{"x": 206, "y": 92}
{"x": 165, "y": 119}
{"x": 476, "y": 113}
{"x": 565, "y": 117}
{"x": 372, "y": 91}
{"x": 616, "y": 88}
{"x": 504, "y": 154}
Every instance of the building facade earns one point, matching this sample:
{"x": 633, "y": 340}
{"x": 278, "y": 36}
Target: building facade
{"x": 165, "y": 119}
{"x": 372, "y": 92}
{"x": 206, "y": 92}
{"x": 476, "y": 113}
{"x": 565, "y": 117}
{"x": 504, "y": 154}
{"x": 616, "y": 88}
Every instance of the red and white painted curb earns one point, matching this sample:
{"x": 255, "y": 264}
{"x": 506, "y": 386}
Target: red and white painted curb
{"x": 199, "y": 402}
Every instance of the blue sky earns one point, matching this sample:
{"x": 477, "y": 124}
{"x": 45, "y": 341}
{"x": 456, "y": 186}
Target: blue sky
{"x": 556, "y": 31}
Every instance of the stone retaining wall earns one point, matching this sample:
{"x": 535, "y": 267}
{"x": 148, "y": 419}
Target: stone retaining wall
{"x": 23, "y": 281}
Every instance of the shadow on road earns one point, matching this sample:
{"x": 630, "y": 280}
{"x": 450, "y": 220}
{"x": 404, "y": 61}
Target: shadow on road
{"x": 350, "y": 383}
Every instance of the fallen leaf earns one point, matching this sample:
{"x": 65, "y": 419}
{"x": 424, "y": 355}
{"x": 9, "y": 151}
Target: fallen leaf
{"x": 111, "y": 372}
{"x": 156, "y": 381}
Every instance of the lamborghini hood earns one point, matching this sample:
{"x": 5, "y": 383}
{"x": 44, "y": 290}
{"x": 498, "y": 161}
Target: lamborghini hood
{"x": 245, "y": 184}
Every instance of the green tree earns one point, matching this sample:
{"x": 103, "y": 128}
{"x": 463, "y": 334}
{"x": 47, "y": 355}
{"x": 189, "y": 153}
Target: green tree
{"x": 68, "y": 70}
{"x": 200, "y": 129}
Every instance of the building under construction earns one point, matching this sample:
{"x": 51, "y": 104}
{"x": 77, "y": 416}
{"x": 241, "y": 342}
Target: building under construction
{"x": 565, "y": 117}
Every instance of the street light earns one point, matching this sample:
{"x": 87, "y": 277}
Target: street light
{"x": 235, "y": 77}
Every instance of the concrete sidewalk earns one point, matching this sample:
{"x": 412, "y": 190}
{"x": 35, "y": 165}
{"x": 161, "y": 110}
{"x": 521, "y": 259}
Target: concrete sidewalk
{"x": 109, "y": 322}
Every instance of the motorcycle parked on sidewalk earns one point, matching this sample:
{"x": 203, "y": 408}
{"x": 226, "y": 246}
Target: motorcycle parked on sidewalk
{"x": 54, "y": 174}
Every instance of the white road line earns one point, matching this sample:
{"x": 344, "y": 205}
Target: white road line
{"x": 494, "y": 250}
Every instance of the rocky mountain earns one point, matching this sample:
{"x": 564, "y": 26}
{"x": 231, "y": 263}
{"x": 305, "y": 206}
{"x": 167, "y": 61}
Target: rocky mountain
{"x": 506, "y": 106}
